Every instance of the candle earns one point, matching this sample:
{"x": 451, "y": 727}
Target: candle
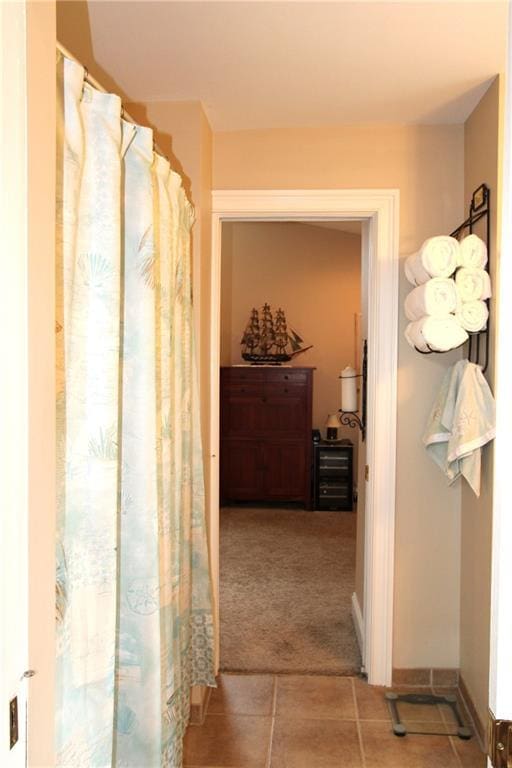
{"x": 348, "y": 390}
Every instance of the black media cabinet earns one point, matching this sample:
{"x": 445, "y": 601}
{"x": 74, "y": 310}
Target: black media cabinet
{"x": 332, "y": 474}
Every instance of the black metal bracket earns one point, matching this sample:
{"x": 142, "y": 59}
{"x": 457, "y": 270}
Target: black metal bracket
{"x": 479, "y": 208}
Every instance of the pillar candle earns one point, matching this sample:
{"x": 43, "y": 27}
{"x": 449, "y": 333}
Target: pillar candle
{"x": 348, "y": 390}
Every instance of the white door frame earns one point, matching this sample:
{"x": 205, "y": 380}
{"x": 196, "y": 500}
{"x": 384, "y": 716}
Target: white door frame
{"x": 380, "y": 208}
{"x": 500, "y": 663}
{"x": 14, "y": 414}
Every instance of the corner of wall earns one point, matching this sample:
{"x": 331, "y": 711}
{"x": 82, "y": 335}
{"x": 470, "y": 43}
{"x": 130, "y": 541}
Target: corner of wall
{"x": 483, "y": 140}
{"x": 41, "y": 110}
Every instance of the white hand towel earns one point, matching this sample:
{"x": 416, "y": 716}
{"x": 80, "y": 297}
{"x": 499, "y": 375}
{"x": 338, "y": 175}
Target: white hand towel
{"x": 438, "y": 334}
{"x": 462, "y": 420}
{"x": 472, "y": 252}
{"x": 437, "y": 257}
{"x": 437, "y": 297}
{"x": 472, "y": 315}
{"x": 473, "y": 284}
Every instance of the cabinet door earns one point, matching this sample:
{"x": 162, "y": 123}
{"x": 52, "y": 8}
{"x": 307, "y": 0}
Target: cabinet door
{"x": 283, "y": 413}
{"x": 284, "y": 470}
{"x": 240, "y": 411}
{"x": 241, "y": 470}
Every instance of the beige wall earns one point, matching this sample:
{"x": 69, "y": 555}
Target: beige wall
{"x": 482, "y": 134}
{"x": 41, "y": 79}
{"x": 314, "y": 275}
{"x": 427, "y": 164}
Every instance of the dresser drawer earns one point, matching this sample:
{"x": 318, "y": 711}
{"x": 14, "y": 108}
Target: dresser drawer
{"x": 242, "y": 375}
{"x": 284, "y": 389}
{"x": 235, "y": 389}
{"x": 286, "y": 376}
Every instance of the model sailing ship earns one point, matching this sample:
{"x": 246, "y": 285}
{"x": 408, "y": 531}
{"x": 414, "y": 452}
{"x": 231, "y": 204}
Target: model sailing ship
{"x": 267, "y": 339}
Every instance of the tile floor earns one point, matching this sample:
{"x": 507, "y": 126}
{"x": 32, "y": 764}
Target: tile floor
{"x": 272, "y": 721}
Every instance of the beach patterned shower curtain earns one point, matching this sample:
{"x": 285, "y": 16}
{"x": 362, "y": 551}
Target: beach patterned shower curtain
{"x": 134, "y": 619}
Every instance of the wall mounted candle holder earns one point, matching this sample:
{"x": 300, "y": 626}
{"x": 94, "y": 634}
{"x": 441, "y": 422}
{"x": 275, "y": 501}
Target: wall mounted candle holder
{"x": 352, "y": 418}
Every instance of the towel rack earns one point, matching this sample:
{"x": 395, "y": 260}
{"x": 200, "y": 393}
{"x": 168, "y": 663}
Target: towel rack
{"x": 479, "y": 208}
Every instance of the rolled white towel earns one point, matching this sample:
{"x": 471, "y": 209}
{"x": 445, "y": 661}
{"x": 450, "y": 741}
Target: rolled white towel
{"x": 438, "y": 334}
{"x": 437, "y": 257}
{"x": 472, "y": 252}
{"x": 472, "y": 315}
{"x": 437, "y": 297}
{"x": 473, "y": 284}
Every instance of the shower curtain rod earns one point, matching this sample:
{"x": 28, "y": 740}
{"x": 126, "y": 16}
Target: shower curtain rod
{"x": 92, "y": 81}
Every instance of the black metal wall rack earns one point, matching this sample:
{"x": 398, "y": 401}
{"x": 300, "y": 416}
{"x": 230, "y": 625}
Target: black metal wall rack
{"x": 479, "y": 208}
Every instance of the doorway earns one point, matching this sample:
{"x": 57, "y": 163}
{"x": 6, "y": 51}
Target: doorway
{"x": 378, "y": 212}
{"x": 288, "y": 513}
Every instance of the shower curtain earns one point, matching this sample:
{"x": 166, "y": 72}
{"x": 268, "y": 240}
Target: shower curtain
{"x": 134, "y": 619}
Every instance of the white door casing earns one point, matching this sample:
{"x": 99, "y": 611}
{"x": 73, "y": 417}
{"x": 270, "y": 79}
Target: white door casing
{"x": 500, "y": 669}
{"x": 14, "y": 416}
{"x": 380, "y": 208}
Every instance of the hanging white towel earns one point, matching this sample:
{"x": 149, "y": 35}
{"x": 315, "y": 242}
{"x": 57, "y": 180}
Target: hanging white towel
{"x": 437, "y": 257}
{"x": 462, "y": 420}
{"x": 472, "y": 315}
{"x": 473, "y": 284}
{"x": 437, "y": 334}
{"x": 437, "y": 297}
{"x": 472, "y": 252}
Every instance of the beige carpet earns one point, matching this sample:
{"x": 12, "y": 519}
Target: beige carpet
{"x": 286, "y": 582}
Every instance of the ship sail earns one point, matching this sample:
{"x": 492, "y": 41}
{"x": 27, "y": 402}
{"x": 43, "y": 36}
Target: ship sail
{"x": 268, "y": 340}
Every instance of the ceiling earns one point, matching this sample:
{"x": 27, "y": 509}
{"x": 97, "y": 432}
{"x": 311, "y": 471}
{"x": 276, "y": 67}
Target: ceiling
{"x": 257, "y": 65}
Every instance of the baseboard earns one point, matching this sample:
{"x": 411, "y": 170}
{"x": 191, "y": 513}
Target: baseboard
{"x": 479, "y": 728}
{"x": 200, "y": 696}
{"x": 425, "y": 677}
{"x": 357, "y": 618}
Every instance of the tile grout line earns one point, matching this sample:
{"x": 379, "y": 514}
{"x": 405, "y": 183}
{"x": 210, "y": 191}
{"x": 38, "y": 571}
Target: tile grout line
{"x": 450, "y": 737}
{"x": 272, "y": 723}
{"x": 358, "y": 724}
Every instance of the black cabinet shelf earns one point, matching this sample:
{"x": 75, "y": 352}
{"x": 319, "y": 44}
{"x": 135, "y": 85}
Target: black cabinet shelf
{"x": 332, "y": 474}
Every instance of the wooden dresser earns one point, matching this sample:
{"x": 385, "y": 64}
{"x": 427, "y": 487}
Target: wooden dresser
{"x": 266, "y": 433}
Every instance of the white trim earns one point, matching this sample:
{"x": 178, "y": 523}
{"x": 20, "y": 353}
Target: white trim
{"x": 357, "y": 618}
{"x": 380, "y": 208}
{"x": 14, "y": 397}
{"x": 500, "y": 673}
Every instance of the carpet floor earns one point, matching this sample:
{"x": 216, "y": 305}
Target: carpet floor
{"x": 286, "y": 582}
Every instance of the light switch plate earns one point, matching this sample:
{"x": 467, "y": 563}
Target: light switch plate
{"x": 13, "y": 721}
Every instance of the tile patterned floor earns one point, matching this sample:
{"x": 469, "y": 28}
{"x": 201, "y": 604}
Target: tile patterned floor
{"x": 272, "y": 721}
